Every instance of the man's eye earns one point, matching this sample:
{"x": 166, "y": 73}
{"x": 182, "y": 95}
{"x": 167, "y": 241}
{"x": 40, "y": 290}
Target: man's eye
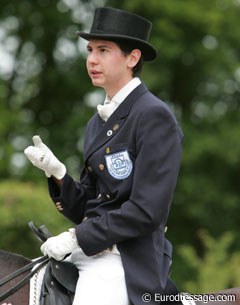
{"x": 103, "y": 50}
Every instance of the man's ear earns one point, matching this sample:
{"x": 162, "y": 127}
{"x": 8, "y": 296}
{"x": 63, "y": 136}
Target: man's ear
{"x": 134, "y": 57}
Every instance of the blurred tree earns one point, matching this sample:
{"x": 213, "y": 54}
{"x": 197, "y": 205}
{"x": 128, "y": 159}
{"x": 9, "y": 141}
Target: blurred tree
{"x": 44, "y": 83}
{"x": 210, "y": 273}
{"x": 28, "y": 202}
{"x": 198, "y": 45}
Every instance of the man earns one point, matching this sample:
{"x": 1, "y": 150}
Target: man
{"x": 132, "y": 155}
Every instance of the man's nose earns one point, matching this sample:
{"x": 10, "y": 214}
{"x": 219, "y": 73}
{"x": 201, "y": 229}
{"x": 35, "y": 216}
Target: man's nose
{"x": 92, "y": 58}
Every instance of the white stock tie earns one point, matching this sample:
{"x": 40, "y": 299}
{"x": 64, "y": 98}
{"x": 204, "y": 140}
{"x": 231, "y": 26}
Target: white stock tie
{"x": 106, "y": 110}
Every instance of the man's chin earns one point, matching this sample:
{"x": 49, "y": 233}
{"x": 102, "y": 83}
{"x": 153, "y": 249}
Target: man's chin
{"x": 97, "y": 83}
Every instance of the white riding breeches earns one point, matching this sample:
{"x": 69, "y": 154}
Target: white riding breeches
{"x": 101, "y": 278}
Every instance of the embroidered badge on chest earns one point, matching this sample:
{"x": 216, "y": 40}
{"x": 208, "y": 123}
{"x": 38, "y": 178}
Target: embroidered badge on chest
{"x": 119, "y": 165}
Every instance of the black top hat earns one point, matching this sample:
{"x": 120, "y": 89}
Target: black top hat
{"x": 118, "y": 25}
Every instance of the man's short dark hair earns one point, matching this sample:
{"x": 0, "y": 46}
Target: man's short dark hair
{"x": 126, "y": 48}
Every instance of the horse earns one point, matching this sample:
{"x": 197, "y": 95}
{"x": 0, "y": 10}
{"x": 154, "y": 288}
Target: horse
{"x": 10, "y": 262}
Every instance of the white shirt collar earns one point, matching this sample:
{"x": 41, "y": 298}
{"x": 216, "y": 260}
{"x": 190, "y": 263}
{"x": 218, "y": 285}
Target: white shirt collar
{"x": 120, "y": 96}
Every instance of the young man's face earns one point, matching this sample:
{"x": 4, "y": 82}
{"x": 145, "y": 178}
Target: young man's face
{"x": 107, "y": 66}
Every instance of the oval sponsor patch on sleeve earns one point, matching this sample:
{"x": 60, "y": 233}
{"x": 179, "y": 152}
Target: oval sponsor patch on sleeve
{"x": 119, "y": 165}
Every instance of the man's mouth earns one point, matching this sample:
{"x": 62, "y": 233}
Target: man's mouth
{"x": 95, "y": 73}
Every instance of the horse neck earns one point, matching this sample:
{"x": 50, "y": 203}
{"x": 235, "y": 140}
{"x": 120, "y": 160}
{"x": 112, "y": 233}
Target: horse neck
{"x": 10, "y": 262}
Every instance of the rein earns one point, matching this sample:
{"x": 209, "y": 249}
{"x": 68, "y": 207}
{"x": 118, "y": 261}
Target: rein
{"x": 42, "y": 234}
{"x": 41, "y": 261}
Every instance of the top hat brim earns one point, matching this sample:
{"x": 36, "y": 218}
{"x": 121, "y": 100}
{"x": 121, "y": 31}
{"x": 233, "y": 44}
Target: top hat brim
{"x": 148, "y": 51}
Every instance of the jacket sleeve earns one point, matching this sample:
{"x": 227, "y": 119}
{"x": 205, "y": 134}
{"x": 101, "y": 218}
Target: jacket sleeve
{"x": 156, "y": 167}
{"x": 73, "y": 195}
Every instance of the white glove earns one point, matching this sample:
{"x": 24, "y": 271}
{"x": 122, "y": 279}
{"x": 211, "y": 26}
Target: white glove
{"x": 42, "y": 157}
{"x": 61, "y": 245}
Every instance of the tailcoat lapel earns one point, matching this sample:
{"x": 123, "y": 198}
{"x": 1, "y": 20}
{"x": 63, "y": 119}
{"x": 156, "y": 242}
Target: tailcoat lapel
{"x": 115, "y": 121}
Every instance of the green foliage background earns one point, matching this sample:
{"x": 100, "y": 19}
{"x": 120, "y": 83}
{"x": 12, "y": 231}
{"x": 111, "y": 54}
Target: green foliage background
{"x": 44, "y": 89}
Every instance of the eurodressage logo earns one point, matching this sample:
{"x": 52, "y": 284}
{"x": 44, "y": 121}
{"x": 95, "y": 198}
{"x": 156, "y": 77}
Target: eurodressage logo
{"x": 119, "y": 165}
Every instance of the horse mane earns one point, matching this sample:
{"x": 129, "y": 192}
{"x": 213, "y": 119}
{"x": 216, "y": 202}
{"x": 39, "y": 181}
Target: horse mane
{"x": 13, "y": 258}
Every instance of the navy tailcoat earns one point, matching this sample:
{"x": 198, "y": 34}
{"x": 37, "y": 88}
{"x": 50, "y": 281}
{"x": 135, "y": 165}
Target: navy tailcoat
{"x": 126, "y": 189}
